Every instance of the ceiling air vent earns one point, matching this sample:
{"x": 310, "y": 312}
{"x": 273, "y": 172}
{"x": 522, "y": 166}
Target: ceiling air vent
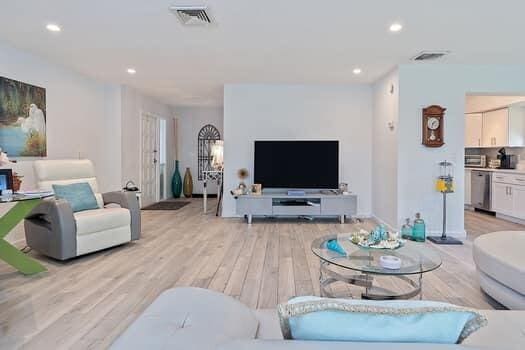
{"x": 191, "y": 15}
{"x": 430, "y": 55}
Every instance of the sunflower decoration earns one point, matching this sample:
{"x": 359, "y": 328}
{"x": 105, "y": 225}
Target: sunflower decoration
{"x": 242, "y": 174}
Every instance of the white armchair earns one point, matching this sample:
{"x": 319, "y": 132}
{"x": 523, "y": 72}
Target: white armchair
{"x": 54, "y": 230}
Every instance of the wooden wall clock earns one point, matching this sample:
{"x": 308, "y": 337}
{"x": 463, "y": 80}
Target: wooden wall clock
{"x": 433, "y": 126}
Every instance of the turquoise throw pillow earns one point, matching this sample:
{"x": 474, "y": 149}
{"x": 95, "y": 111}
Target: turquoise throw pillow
{"x": 314, "y": 318}
{"x": 79, "y": 195}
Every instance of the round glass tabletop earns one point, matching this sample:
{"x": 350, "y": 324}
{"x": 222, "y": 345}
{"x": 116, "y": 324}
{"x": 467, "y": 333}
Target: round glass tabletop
{"x": 416, "y": 258}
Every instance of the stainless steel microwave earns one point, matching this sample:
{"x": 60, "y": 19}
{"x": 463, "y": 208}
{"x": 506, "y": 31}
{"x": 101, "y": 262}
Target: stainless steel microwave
{"x": 475, "y": 161}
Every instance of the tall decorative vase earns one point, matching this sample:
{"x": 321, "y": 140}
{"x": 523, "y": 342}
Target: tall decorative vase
{"x": 188, "y": 183}
{"x": 176, "y": 181}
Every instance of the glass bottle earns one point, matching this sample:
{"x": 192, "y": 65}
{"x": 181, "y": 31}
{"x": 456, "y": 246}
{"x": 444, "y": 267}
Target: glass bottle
{"x": 419, "y": 229}
{"x": 406, "y": 230}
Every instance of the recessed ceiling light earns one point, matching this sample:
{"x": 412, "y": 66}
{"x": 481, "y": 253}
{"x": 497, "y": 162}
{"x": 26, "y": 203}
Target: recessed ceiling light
{"x": 357, "y": 71}
{"x": 53, "y": 27}
{"x": 131, "y": 70}
{"x": 396, "y": 27}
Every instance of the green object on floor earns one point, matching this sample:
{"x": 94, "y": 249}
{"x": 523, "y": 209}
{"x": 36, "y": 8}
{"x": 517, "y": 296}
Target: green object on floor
{"x": 9, "y": 253}
{"x": 176, "y": 182}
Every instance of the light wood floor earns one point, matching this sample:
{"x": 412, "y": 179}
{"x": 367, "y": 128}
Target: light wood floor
{"x": 87, "y": 302}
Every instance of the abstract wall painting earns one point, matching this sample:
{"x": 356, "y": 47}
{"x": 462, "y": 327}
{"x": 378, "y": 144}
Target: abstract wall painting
{"x": 22, "y": 119}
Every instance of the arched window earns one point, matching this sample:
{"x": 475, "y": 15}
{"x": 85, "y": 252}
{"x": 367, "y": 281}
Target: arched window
{"x": 206, "y": 138}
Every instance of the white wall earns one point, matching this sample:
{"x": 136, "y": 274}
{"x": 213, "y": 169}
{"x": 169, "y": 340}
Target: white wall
{"x": 133, "y": 105}
{"x": 77, "y": 118}
{"x": 445, "y": 85}
{"x": 86, "y": 119}
{"x": 335, "y": 112}
{"x": 83, "y": 119}
{"x": 385, "y": 148}
{"x": 190, "y": 121}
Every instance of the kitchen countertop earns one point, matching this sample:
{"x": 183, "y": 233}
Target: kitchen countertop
{"x": 508, "y": 171}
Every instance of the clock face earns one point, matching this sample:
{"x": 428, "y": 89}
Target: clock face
{"x": 433, "y": 123}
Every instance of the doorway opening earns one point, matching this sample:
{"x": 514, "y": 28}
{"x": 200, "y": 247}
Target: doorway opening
{"x": 153, "y": 172}
{"x": 494, "y": 162}
{"x": 162, "y": 160}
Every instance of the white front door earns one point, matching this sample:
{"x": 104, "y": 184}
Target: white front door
{"x": 150, "y": 165}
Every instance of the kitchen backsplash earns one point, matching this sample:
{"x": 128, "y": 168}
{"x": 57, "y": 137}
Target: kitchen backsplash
{"x": 492, "y": 153}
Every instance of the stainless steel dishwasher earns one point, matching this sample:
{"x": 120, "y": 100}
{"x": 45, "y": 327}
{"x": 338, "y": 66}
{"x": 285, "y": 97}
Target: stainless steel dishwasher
{"x": 481, "y": 187}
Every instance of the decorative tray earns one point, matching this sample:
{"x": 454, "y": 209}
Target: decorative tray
{"x": 388, "y": 244}
{"x": 366, "y": 239}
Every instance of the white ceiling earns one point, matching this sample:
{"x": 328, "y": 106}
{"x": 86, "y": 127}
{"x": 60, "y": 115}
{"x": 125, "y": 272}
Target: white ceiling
{"x": 270, "y": 41}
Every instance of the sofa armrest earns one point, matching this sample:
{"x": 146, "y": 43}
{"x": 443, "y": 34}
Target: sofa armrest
{"x": 129, "y": 201}
{"x": 50, "y": 228}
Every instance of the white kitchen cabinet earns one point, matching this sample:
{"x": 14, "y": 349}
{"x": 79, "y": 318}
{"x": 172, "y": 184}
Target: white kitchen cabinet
{"x": 508, "y": 194}
{"x": 518, "y": 201}
{"x": 516, "y": 126}
{"x": 495, "y": 131}
{"x": 468, "y": 187}
{"x": 502, "y": 201}
{"x": 503, "y": 127}
{"x": 473, "y": 127}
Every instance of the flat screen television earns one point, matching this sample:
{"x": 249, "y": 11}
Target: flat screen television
{"x": 297, "y": 164}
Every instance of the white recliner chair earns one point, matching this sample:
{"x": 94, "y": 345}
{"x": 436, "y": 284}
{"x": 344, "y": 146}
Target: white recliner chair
{"x": 53, "y": 229}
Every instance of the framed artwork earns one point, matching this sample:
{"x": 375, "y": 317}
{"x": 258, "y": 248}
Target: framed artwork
{"x": 22, "y": 119}
{"x": 6, "y": 179}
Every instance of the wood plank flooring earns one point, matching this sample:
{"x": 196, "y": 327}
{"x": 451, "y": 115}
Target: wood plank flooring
{"x": 87, "y": 302}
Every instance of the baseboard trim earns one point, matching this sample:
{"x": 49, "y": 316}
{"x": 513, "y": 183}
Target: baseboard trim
{"x": 200, "y": 195}
{"x": 511, "y": 219}
{"x": 460, "y": 234}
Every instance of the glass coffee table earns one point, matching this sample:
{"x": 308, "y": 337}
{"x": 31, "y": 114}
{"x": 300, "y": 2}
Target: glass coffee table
{"x": 360, "y": 267}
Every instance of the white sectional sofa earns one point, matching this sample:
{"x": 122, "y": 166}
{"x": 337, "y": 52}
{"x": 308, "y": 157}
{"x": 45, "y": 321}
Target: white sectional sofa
{"x": 500, "y": 260}
{"x": 194, "y": 318}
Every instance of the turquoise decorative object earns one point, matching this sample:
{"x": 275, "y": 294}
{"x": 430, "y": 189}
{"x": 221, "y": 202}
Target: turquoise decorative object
{"x": 378, "y": 234}
{"x": 176, "y": 182}
{"x": 419, "y": 229}
{"x": 334, "y": 246}
{"x": 406, "y": 230}
{"x": 383, "y": 232}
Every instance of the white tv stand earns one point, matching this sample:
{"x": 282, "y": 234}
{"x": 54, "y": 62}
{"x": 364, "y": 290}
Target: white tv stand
{"x": 270, "y": 204}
